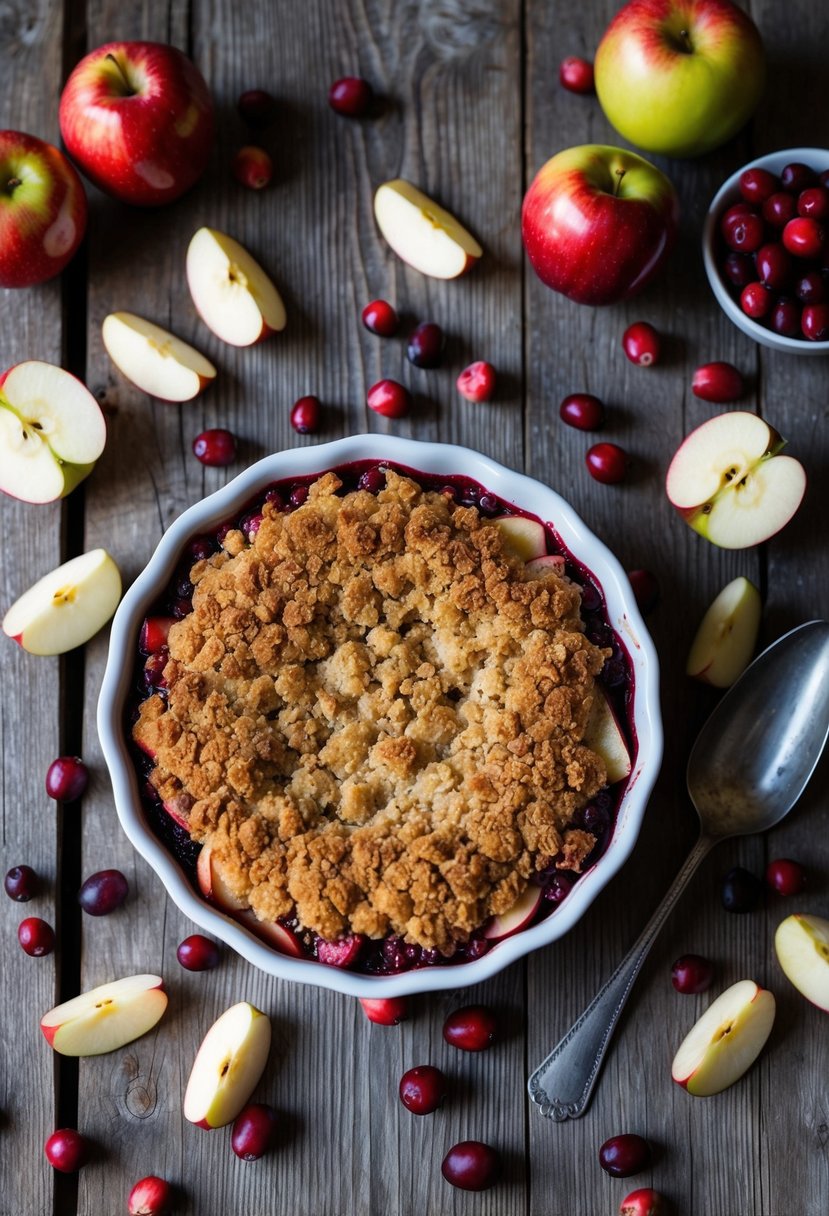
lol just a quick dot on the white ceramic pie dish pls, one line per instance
(433, 458)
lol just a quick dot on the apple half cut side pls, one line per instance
(605, 737)
(228, 1065)
(801, 944)
(106, 1017)
(523, 538)
(154, 360)
(726, 1040)
(66, 607)
(727, 635)
(51, 432)
(423, 234)
(729, 483)
(515, 918)
(232, 293)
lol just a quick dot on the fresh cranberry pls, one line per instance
(36, 937)
(583, 411)
(607, 463)
(351, 96)
(21, 884)
(814, 203)
(67, 1150)
(756, 300)
(373, 480)
(389, 398)
(622, 1156)
(252, 167)
(692, 973)
(811, 288)
(804, 237)
(472, 1028)
(778, 209)
(426, 343)
(198, 953)
(640, 342)
(151, 1196)
(471, 1165)
(380, 318)
(774, 266)
(814, 322)
(67, 778)
(745, 232)
(477, 382)
(785, 876)
(254, 1130)
(756, 185)
(644, 1202)
(796, 177)
(785, 318)
(741, 891)
(576, 75)
(385, 1011)
(257, 107)
(103, 892)
(558, 886)
(739, 268)
(423, 1089)
(215, 448)
(718, 382)
(305, 415)
(732, 215)
(645, 589)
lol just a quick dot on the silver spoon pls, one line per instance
(749, 765)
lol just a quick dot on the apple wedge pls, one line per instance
(106, 1017)
(213, 886)
(802, 947)
(66, 607)
(726, 1040)
(271, 932)
(605, 737)
(537, 567)
(154, 360)
(227, 1067)
(729, 483)
(51, 432)
(727, 635)
(232, 293)
(517, 917)
(523, 538)
(423, 234)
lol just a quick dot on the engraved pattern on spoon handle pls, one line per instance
(563, 1084)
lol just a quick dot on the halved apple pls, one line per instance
(154, 360)
(66, 607)
(232, 293)
(605, 737)
(524, 538)
(51, 432)
(726, 1040)
(423, 234)
(727, 635)
(228, 1065)
(729, 483)
(802, 947)
(539, 566)
(106, 1017)
(517, 917)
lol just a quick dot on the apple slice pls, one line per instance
(802, 947)
(106, 1017)
(154, 360)
(727, 635)
(154, 633)
(228, 1066)
(178, 808)
(51, 432)
(729, 483)
(726, 1040)
(66, 607)
(517, 917)
(272, 932)
(232, 293)
(523, 538)
(423, 234)
(539, 566)
(605, 737)
(213, 886)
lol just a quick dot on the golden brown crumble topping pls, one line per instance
(376, 718)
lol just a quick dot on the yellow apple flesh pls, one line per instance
(66, 607)
(726, 1040)
(801, 944)
(726, 637)
(154, 360)
(604, 736)
(228, 1066)
(106, 1017)
(232, 293)
(423, 234)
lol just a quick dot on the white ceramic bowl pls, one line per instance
(726, 196)
(436, 458)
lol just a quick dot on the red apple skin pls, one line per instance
(137, 117)
(598, 223)
(49, 1032)
(40, 227)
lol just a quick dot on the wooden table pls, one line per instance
(471, 109)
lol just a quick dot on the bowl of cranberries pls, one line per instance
(766, 250)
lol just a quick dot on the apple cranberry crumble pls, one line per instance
(375, 717)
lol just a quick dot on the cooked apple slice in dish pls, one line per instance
(522, 537)
(66, 607)
(727, 635)
(726, 1040)
(232, 293)
(213, 886)
(604, 736)
(537, 567)
(517, 917)
(423, 234)
(801, 944)
(154, 360)
(228, 1065)
(106, 1017)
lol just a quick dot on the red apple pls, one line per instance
(598, 223)
(43, 217)
(138, 119)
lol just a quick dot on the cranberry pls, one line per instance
(254, 1129)
(373, 480)
(298, 496)
(305, 415)
(66, 778)
(596, 818)
(385, 1011)
(423, 1089)
(250, 524)
(472, 1028)
(559, 886)
(342, 953)
(471, 1165)
(351, 96)
(154, 633)
(732, 215)
(814, 322)
(275, 499)
(741, 890)
(756, 300)
(811, 288)
(745, 232)
(607, 462)
(389, 398)
(778, 209)
(103, 892)
(692, 973)
(774, 266)
(796, 177)
(477, 382)
(21, 884)
(380, 318)
(622, 1156)
(785, 318)
(785, 876)
(36, 937)
(814, 202)
(252, 167)
(215, 448)
(256, 107)
(151, 1196)
(583, 411)
(645, 589)
(640, 342)
(804, 237)
(739, 268)
(718, 382)
(756, 185)
(67, 1150)
(181, 607)
(198, 953)
(426, 343)
(644, 1202)
(154, 669)
(576, 75)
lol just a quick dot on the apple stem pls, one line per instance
(130, 90)
(620, 173)
(12, 184)
(685, 39)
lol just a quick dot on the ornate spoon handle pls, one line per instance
(563, 1084)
